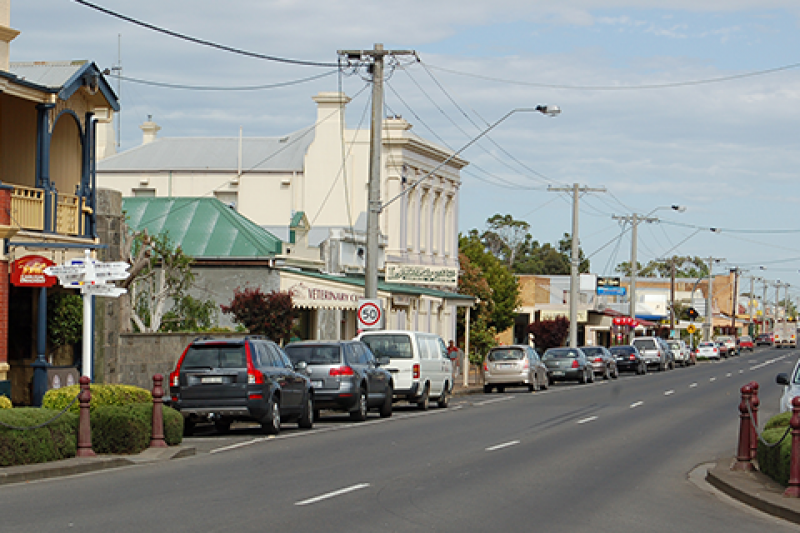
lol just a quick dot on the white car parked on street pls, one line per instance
(791, 387)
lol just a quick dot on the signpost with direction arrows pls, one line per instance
(90, 276)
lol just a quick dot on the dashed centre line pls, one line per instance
(501, 446)
(669, 392)
(333, 494)
(713, 379)
(634, 405)
(585, 420)
(693, 385)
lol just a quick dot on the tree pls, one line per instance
(549, 333)
(64, 318)
(685, 267)
(190, 314)
(504, 237)
(271, 315)
(471, 281)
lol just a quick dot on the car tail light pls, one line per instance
(341, 371)
(174, 379)
(526, 364)
(415, 371)
(598, 359)
(485, 366)
(633, 357)
(575, 364)
(254, 376)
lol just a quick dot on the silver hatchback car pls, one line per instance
(517, 365)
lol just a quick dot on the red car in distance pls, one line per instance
(745, 342)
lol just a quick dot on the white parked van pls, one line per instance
(418, 363)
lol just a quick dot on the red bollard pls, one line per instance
(743, 463)
(84, 425)
(793, 490)
(157, 440)
(754, 403)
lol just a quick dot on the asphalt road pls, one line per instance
(612, 456)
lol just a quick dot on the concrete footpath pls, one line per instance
(751, 488)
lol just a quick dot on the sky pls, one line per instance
(663, 103)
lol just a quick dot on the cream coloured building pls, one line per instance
(321, 172)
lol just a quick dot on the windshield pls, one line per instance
(507, 354)
(592, 350)
(645, 344)
(621, 350)
(315, 354)
(214, 357)
(389, 345)
(560, 353)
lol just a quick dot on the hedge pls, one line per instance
(5, 403)
(57, 440)
(127, 429)
(774, 461)
(101, 395)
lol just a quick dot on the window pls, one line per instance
(388, 345)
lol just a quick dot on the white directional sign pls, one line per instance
(101, 289)
(370, 314)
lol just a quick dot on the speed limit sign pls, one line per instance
(370, 315)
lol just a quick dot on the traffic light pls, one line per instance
(692, 313)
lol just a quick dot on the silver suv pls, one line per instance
(345, 376)
(655, 352)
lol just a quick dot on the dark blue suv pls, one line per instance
(251, 378)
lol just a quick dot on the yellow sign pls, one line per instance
(691, 329)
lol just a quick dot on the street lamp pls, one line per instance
(634, 220)
(375, 208)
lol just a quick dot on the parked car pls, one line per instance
(603, 363)
(512, 366)
(628, 359)
(345, 376)
(791, 387)
(723, 349)
(568, 364)
(680, 352)
(764, 339)
(708, 350)
(745, 342)
(655, 352)
(419, 364)
(251, 378)
(730, 344)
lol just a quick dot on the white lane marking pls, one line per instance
(238, 445)
(585, 420)
(668, 392)
(495, 400)
(501, 446)
(693, 385)
(768, 362)
(713, 379)
(636, 404)
(333, 494)
(728, 375)
(741, 371)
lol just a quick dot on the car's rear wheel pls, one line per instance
(615, 373)
(487, 389)
(583, 379)
(444, 399)
(424, 402)
(359, 413)
(271, 425)
(386, 407)
(306, 420)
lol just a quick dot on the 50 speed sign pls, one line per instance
(370, 314)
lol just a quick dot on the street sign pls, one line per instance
(691, 329)
(370, 314)
(101, 289)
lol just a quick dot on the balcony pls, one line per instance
(28, 210)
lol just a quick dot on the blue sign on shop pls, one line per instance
(612, 291)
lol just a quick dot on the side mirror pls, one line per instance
(301, 366)
(782, 379)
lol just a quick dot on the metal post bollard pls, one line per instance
(793, 490)
(743, 463)
(84, 424)
(157, 440)
(754, 403)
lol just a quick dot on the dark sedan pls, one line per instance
(628, 359)
(568, 364)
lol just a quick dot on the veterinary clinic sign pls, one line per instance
(422, 275)
(321, 296)
(28, 271)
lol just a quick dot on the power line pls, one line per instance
(218, 88)
(720, 79)
(203, 42)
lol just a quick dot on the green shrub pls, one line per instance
(779, 421)
(774, 462)
(5, 403)
(127, 429)
(57, 440)
(101, 395)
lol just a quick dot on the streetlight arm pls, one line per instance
(549, 110)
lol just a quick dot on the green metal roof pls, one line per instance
(204, 228)
(394, 288)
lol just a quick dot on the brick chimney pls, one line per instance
(6, 34)
(149, 129)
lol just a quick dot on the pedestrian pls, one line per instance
(453, 354)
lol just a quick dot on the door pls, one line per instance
(290, 383)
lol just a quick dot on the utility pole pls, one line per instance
(764, 305)
(708, 325)
(576, 189)
(375, 59)
(734, 298)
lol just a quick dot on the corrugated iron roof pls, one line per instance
(52, 74)
(259, 154)
(204, 228)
